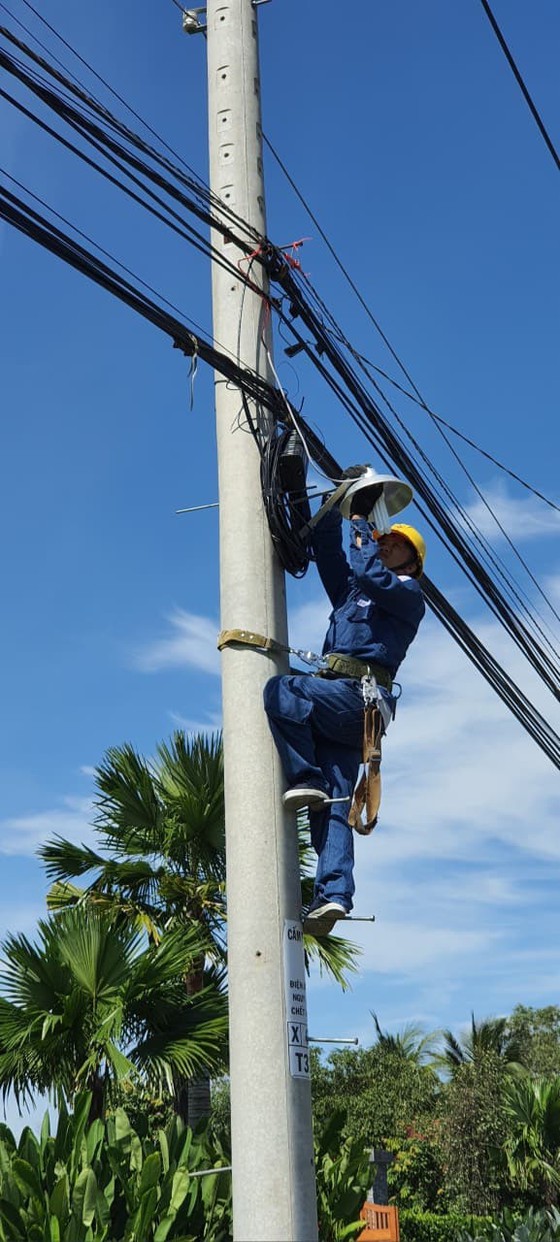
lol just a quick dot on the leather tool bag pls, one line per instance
(367, 794)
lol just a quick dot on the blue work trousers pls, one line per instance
(317, 725)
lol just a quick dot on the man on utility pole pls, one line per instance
(272, 1149)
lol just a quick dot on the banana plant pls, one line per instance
(98, 1182)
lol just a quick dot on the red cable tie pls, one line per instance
(291, 258)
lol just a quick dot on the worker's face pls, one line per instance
(396, 552)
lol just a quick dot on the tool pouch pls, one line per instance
(367, 794)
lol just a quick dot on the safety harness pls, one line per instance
(367, 793)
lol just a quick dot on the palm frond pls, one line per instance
(190, 779)
(64, 894)
(335, 957)
(129, 811)
(190, 1042)
(64, 859)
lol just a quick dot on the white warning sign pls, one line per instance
(296, 1004)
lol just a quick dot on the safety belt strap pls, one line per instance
(367, 793)
(249, 639)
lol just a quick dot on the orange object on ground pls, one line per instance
(382, 1223)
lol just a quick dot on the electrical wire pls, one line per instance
(532, 108)
(36, 226)
(427, 467)
(95, 133)
(98, 76)
(201, 199)
(368, 415)
(30, 222)
(417, 397)
(358, 403)
(367, 362)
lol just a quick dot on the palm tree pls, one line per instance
(162, 826)
(92, 1003)
(489, 1035)
(532, 1147)
(162, 829)
(410, 1044)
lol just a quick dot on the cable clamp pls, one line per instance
(188, 345)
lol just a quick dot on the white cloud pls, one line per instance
(211, 724)
(191, 643)
(467, 838)
(522, 519)
(22, 834)
(308, 625)
(457, 871)
(412, 946)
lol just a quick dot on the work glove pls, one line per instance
(364, 500)
(354, 472)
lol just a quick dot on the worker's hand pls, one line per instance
(354, 472)
(364, 500)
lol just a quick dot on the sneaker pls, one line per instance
(322, 916)
(297, 799)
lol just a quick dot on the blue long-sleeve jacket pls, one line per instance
(375, 612)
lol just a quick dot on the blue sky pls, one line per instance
(404, 130)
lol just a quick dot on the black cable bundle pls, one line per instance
(283, 471)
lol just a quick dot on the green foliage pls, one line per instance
(417, 1226)
(91, 988)
(532, 1144)
(381, 1091)
(535, 1226)
(537, 1035)
(473, 1125)
(485, 1139)
(490, 1036)
(416, 1176)
(411, 1043)
(343, 1179)
(220, 1115)
(102, 1183)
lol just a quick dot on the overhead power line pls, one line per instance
(413, 396)
(367, 414)
(31, 223)
(416, 396)
(95, 74)
(367, 362)
(36, 226)
(339, 373)
(532, 107)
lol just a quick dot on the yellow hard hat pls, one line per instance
(415, 538)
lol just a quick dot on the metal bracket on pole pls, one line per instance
(224, 1168)
(315, 1039)
(215, 504)
(359, 918)
(191, 24)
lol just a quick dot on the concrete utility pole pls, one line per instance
(272, 1158)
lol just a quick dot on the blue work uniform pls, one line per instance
(317, 723)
